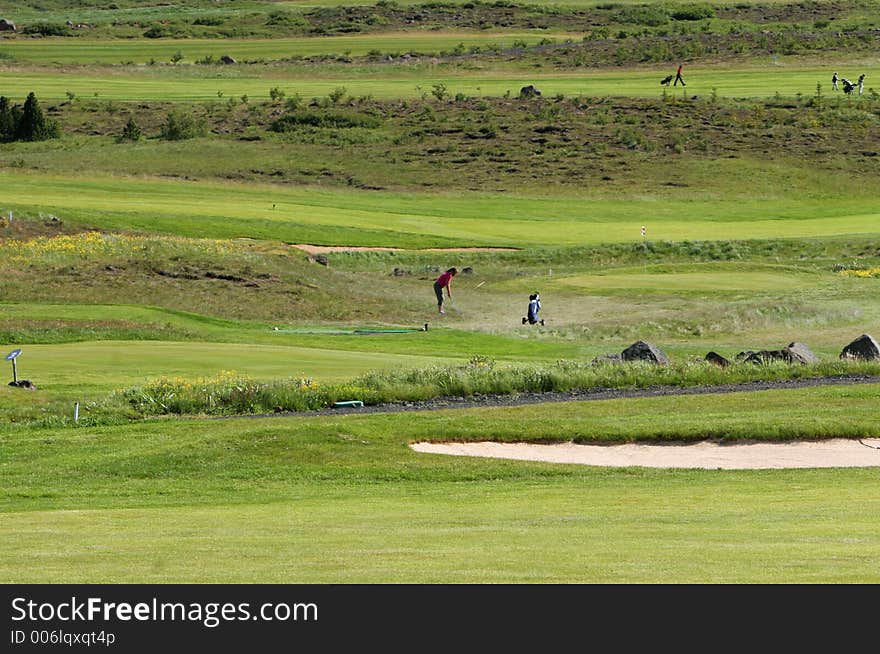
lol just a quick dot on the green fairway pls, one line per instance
(213, 210)
(192, 354)
(140, 51)
(109, 364)
(746, 528)
(343, 499)
(714, 279)
(190, 83)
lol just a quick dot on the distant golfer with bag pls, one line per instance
(532, 311)
(444, 281)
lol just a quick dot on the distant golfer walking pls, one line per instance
(861, 83)
(444, 281)
(834, 80)
(678, 77)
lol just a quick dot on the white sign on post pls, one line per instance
(12, 356)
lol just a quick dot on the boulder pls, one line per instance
(226, 59)
(322, 259)
(529, 92)
(864, 348)
(791, 353)
(717, 359)
(467, 270)
(642, 351)
(765, 356)
(800, 353)
(24, 383)
(7, 25)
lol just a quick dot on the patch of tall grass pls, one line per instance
(232, 394)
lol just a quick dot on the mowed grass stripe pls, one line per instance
(207, 209)
(623, 530)
(88, 51)
(105, 365)
(197, 83)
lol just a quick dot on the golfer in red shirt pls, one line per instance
(444, 281)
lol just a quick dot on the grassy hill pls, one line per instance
(156, 283)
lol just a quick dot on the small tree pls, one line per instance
(177, 57)
(180, 126)
(439, 91)
(33, 126)
(131, 131)
(276, 94)
(7, 120)
(293, 102)
(337, 94)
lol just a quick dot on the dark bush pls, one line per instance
(156, 32)
(642, 15)
(131, 131)
(47, 29)
(335, 119)
(180, 126)
(29, 124)
(693, 12)
(209, 21)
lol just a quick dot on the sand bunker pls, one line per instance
(834, 453)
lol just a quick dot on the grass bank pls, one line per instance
(343, 499)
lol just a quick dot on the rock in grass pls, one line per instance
(765, 356)
(24, 383)
(864, 348)
(800, 353)
(792, 353)
(643, 351)
(717, 359)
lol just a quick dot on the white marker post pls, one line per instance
(12, 356)
(644, 241)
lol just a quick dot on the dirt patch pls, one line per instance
(320, 249)
(833, 453)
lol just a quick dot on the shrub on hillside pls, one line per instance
(642, 15)
(25, 123)
(335, 119)
(131, 131)
(47, 29)
(693, 12)
(180, 126)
